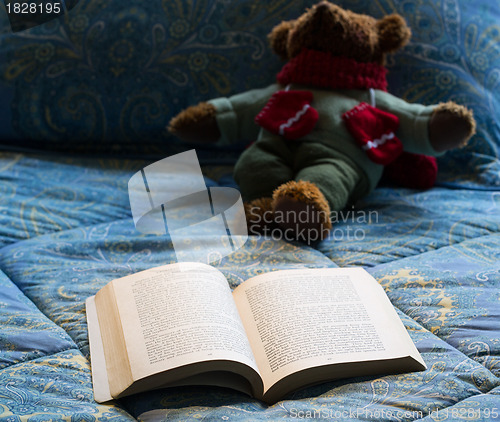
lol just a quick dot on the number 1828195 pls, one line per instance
(33, 8)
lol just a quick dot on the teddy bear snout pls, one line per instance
(323, 6)
(327, 13)
(328, 20)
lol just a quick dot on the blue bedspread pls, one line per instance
(436, 253)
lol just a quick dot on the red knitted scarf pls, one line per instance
(323, 70)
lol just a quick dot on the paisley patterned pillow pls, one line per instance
(108, 76)
(454, 54)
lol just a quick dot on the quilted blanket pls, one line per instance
(436, 253)
(84, 100)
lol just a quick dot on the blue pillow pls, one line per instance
(109, 76)
(454, 54)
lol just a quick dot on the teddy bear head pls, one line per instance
(328, 28)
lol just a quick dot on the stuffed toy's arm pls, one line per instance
(223, 120)
(429, 130)
(235, 115)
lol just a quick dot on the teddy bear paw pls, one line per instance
(301, 211)
(196, 124)
(451, 126)
(259, 215)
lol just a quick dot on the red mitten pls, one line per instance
(413, 171)
(289, 114)
(374, 131)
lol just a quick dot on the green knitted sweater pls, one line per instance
(235, 118)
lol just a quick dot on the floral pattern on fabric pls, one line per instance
(55, 388)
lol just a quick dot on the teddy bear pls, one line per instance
(326, 129)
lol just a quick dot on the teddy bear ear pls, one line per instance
(278, 38)
(393, 33)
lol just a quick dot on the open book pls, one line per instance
(180, 324)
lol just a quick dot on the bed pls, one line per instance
(84, 101)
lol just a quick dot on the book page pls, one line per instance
(298, 319)
(177, 315)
